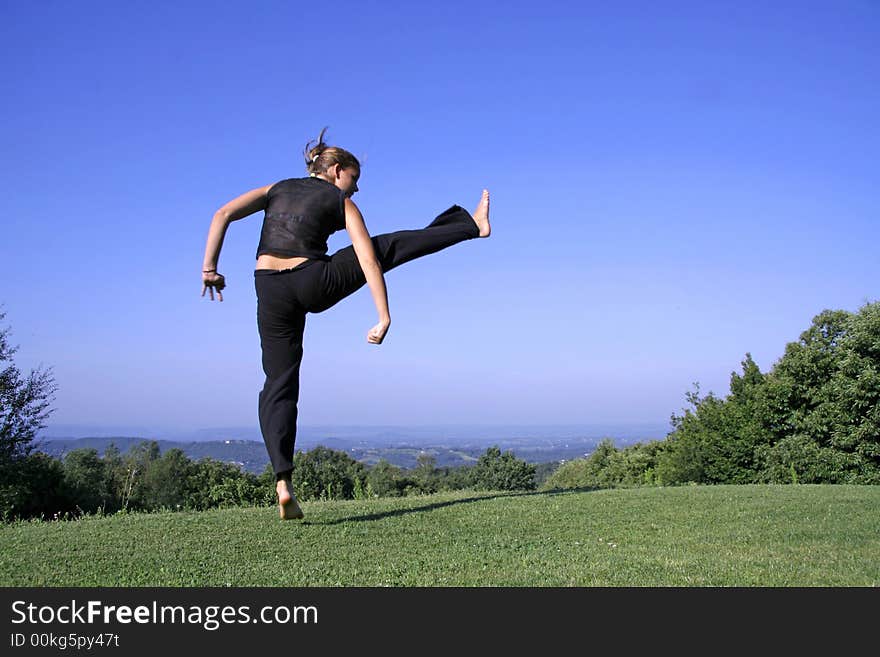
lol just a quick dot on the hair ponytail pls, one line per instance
(321, 157)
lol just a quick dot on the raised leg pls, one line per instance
(343, 275)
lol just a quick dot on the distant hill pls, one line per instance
(251, 455)
(384, 435)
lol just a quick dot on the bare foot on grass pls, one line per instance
(481, 215)
(288, 508)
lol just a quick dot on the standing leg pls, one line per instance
(281, 322)
(343, 274)
(281, 327)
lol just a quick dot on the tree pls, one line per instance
(823, 403)
(136, 490)
(385, 479)
(855, 389)
(165, 481)
(715, 440)
(324, 473)
(814, 417)
(116, 477)
(609, 467)
(425, 474)
(803, 394)
(214, 483)
(86, 480)
(29, 484)
(24, 403)
(497, 471)
(35, 488)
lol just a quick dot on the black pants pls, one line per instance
(284, 297)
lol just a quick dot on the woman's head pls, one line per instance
(329, 161)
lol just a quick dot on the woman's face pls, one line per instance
(347, 179)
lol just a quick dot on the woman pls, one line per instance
(295, 276)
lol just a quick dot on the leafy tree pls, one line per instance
(425, 478)
(799, 459)
(497, 471)
(24, 403)
(213, 483)
(426, 465)
(324, 473)
(385, 479)
(803, 397)
(714, 441)
(543, 471)
(35, 488)
(266, 481)
(595, 471)
(165, 482)
(453, 478)
(689, 443)
(86, 480)
(136, 490)
(116, 478)
(607, 467)
(576, 473)
(25, 479)
(814, 417)
(855, 391)
(823, 402)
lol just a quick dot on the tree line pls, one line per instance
(143, 479)
(34, 484)
(814, 417)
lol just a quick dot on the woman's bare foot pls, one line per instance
(481, 215)
(288, 508)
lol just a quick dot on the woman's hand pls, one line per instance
(213, 281)
(377, 333)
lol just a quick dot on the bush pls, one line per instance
(324, 473)
(798, 459)
(386, 480)
(609, 467)
(497, 471)
(214, 484)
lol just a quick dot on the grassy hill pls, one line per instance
(689, 536)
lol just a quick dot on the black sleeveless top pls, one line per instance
(301, 213)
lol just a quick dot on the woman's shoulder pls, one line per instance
(304, 182)
(288, 182)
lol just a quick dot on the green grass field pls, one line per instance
(689, 536)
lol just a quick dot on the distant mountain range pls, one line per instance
(401, 446)
(376, 434)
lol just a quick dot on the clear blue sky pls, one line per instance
(673, 185)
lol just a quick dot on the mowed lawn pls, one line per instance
(800, 535)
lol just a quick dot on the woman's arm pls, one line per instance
(366, 255)
(237, 208)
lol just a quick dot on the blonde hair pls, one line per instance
(321, 157)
